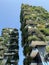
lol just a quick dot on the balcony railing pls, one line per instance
(9, 54)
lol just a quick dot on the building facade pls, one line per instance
(35, 32)
(10, 45)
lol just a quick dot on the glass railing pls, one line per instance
(45, 63)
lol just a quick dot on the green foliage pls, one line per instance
(1, 39)
(47, 49)
(33, 38)
(45, 31)
(47, 38)
(27, 61)
(36, 10)
(27, 50)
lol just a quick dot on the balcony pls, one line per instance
(14, 47)
(27, 13)
(38, 43)
(13, 41)
(29, 22)
(14, 37)
(15, 50)
(14, 33)
(1, 57)
(13, 62)
(5, 34)
(8, 30)
(11, 44)
(33, 64)
(34, 53)
(9, 54)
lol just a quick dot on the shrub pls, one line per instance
(47, 38)
(41, 26)
(45, 31)
(47, 49)
(33, 38)
(27, 50)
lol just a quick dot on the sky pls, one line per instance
(10, 16)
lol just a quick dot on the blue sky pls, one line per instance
(10, 16)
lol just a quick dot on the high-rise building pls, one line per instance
(35, 33)
(1, 49)
(10, 46)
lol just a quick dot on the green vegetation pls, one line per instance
(38, 19)
(27, 61)
(33, 38)
(32, 12)
(27, 50)
(47, 38)
(45, 31)
(34, 15)
(7, 46)
(47, 49)
(1, 39)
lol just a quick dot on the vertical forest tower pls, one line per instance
(35, 34)
(9, 47)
